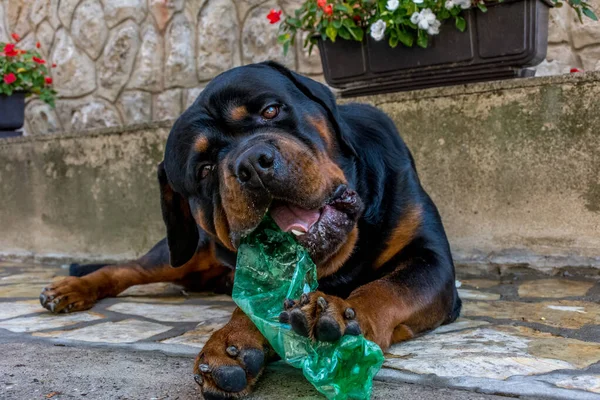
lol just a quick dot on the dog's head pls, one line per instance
(260, 139)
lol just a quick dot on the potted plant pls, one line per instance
(374, 46)
(22, 73)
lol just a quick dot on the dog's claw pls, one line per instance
(322, 303)
(288, 303)
(232, 351)
(204, 368)
(349, 313)
(304, 299)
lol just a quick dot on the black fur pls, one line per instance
(374, 158)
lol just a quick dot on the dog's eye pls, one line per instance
(270, 112)
(205, 170)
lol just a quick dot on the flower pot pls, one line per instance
(498, 44)
(12, 113)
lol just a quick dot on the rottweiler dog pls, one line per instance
(261, 138)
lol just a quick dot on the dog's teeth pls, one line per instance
(298, 233)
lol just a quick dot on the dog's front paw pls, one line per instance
(321, 317)
(230, 363)
(68, 295)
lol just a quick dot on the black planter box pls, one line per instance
(12, 114)
(498, 44)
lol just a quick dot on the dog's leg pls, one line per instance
(80, 293)
(233, 359)
(419, 295)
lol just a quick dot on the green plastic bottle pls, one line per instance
(272, 267)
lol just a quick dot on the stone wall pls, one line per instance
(571, 43)
(123, 62)
(514, 167)
(132, 61)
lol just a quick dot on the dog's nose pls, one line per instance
(255, 167)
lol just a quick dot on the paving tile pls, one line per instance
(155, 299)
(481, 352)
(173, 313)
(214, 297)
(554, 288)
(18, 308)
(198, 336)
(48, 321)
(546, 345)
(21, 290)
(459, 325)
(153, 289)
(30, 277)
(568, 314)
(590, 383)
(469, 294)
(126, 331)
(16, 264)
(480, 283)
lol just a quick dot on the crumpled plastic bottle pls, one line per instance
(272, 267)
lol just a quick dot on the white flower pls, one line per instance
(392, 5)
(427, 21)
(378, 30)
(464, 4)
(418, 1)
(415, 18)
(428, 16)
(450, 4)
(434, 28)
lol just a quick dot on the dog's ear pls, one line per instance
(321, 95)
(182, 231)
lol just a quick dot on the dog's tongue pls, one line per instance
(289, 217)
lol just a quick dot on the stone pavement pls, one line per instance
(521, 335)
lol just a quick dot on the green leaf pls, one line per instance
(461, 24)
(295, 22)
(406, 38)
(482, 7)
(348, 23)
(422, 40)
(286, 47)
(358, 34)
(578, 10)
(331, 32)
(590, 14)
(345, 8)
(337, 24)
(393, 41)
(344, 33)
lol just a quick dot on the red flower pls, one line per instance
(38, 60)
(38, 45)
(54, 65)
(328, 10)
(322, 3)
(274, 16)
(9, 78)
(48, 80)
(357, 18)
(575, 70)
(9, 50)
(15, 36)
